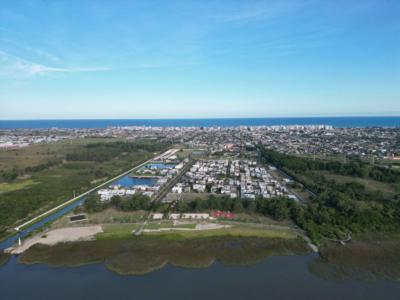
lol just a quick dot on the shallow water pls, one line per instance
(159, 166)
(278, 277)
(128, 181)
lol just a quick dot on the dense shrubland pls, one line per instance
(57, 179)
(340, 208)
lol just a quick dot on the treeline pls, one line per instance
(9, 176)
(101, 152)
(338, 208)
(43, 166)
(136, 202)
(278, 208)
(356, 168)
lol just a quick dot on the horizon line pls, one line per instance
(211, 118)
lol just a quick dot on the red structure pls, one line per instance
(223, 214)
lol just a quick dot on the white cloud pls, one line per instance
(12, 66)
(260, 10)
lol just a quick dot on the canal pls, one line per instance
(125, 181)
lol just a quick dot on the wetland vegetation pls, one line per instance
(368, 257)
(139, 255)
(4, 257)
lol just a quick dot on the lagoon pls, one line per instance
(278, 277)
(159, 166)
(128, 181)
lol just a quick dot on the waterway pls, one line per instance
(125, 181)
(25, 232)
(159, 166)
(278, 277)
(128, 181)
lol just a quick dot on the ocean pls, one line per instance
(223, 122)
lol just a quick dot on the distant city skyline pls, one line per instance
(198, 59)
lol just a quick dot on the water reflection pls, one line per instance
(142, 255)
(278, 277)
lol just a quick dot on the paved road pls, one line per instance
(169, 185)
(162, 193)
(290, 177)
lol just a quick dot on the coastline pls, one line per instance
(147, 253)
(336, 121)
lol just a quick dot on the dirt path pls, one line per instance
(199, 227)
(69, 234)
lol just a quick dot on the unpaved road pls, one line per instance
(207, 226)
(61, 235)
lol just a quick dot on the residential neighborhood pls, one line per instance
(236, 178)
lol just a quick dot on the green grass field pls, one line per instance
(370, 185)
(117, 231)
(41, 153)
(10, 187)
(123, 231)
(168, 224)
(234, 231)
(184, 153)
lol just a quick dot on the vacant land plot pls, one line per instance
(79, 165)
(370, 185)
(117, 231)
(112, 231)
(10, 187)
(184, 153)
(238, 230)
(61, 235)
(38, 154)
(112, 215)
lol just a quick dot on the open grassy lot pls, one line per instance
(370, 185)
(112, 215)
(10, 187)
(184, 153)
(255, 218)
(169, 224)
(143, 254)
(235, 230)
(80, 164)
(37, 154)
(118, 231)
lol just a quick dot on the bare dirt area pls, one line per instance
(61, 235)
(200, 226)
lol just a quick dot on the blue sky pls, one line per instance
(176, 59)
